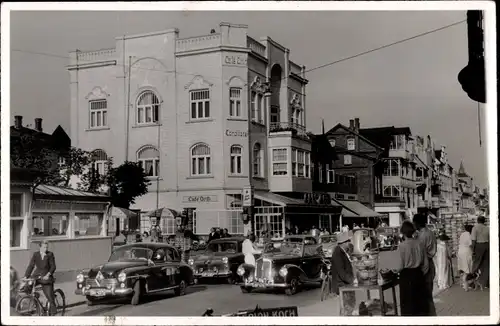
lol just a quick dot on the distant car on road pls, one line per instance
(219, 260)
(135, 270)
(388, 237)
(295, 261)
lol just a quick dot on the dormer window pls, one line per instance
(332, 142)
(351, 144)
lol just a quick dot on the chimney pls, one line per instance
(18, 121)
(38, 124)
(356, 124)
(351, 124)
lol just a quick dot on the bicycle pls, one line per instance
(29, 304)
(326, 284)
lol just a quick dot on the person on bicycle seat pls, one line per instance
(45, 264)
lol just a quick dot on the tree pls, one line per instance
(75, 164)
(127, 182)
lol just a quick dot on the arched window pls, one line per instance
(148, 108)
(149, 159)
(236, 158)
(99, 159)
(200, 160)
(257, 160)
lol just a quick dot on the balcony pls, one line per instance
(291, 128)
(399, 152)
(256, 46)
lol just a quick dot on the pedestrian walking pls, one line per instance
(342, 271)
(225, 233)
(413, 265)
(480, 236)
(444, 274)
(213, 235)
(249, 250)
(430, 243)
(465, 255)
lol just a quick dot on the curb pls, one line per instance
(75, 304)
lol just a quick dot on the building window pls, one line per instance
(378, 186)
(332, 142)
(88, 224)
(61, 161)
(347, 159)
(16, 220)
(236, 225)
(392, 191)
(275, 114)
(148, 108)
(307, 168)
(149, 159)
(257, 104)
(398, 142)
(330, 174)
(235, 102)
(99, 161)
(236, 158)
(257, 160)
(98, 113)
(200, 160)
(351, 144)
(320, 173)
(391, 168)
(280, 161)
(45, 225)
(324, 222)
(200, 104)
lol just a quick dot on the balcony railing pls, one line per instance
(293, 127)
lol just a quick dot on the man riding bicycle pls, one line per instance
(45, 264)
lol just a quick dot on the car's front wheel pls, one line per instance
(181, 289)
(246, 289)
(293, 287)
(136, 298)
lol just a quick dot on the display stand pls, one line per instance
(360, 307)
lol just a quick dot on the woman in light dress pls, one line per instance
(249, 250)
(465, 253)
(443, 263)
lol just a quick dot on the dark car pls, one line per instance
(297, 260)
(219, 260)
(388, 237)
(135, 270)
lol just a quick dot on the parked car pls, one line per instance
(135, 270)
(388, 237)
(295, 261)
(328, 243)
(219, 260)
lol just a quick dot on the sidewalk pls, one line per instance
(450, 302)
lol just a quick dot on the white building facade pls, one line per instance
(205, 116)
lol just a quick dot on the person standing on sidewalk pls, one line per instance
(45, 264)
(480, 237)
(465, 255)
(428, 238)
(342, 271)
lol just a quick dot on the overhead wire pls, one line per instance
(307, 70)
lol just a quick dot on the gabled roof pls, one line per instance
(363, 137)
(382, 136)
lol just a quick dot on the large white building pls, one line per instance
(205, 115)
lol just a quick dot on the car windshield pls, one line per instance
(229, 247)
(328, 239)
(131, 254)
(385, 231)
(285, 247)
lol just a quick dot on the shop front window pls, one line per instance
(46, 225)
(88, 224)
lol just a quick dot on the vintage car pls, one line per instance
(219, 260)
(295, 261)
(388, 237)
(135, 270)
(328, 243)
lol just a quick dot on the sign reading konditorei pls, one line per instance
(271, 312)
(236, 133)
(199, 199)
(247, 196)
(235, 60)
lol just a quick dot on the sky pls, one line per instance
(411, 84)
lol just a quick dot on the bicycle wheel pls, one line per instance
(28, 306)
(60, 299)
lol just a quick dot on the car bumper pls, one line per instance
(214, 275)
(262, 285)
(120, 292)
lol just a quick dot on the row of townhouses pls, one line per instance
(211, 115)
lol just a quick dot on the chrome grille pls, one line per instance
(102, 284)
(263, 269)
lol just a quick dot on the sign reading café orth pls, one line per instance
(236, 133)
(199, 199)
(235, 60)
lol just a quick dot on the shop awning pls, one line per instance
(122, 212)
(163, 212)
(353, 208)
(276, 199)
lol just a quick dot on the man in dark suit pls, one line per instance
(341, 268)
(45, 264)
(213, 235)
